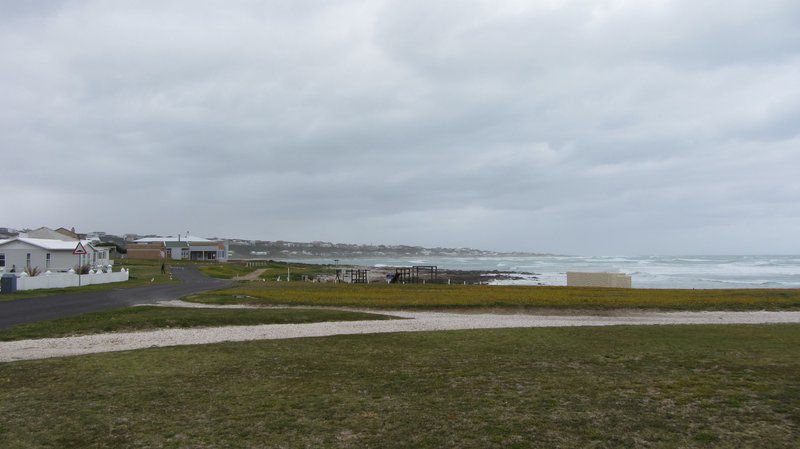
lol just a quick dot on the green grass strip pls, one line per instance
(658, 386)
(449, 296)
(151, 317)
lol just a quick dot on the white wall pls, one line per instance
(61, 280)
(612, 280)
(15, 253)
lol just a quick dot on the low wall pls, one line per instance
(611, 280)
(62, 280)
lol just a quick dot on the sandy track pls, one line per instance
(413, 322)
(252, 276)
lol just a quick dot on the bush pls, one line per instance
(35, 271)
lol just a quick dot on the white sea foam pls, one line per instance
(685, 271)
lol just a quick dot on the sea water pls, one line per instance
(646, 271)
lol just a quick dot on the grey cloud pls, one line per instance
(602, 127)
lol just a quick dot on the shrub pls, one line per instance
(34, 271)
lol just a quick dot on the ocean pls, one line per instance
(646, 271)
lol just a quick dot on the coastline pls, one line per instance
(661, 272)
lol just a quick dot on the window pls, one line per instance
(47, 261)
(2, 260)
(28, 260)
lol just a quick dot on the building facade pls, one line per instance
(178, 248)
(21, 253)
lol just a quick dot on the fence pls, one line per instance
(258, 263)
(61, 280)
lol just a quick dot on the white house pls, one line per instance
(20, 253)
(180, 247)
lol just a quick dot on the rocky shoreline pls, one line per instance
(483, 277)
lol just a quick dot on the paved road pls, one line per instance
(69, 304)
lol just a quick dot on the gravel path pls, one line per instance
(414, 322)
(252, 276)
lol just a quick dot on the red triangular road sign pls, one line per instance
(79, 249)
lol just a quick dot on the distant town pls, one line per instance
(268, 249)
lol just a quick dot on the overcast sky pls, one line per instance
(591, 127)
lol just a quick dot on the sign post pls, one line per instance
(79, 251)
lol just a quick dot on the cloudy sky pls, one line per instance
(584, 127)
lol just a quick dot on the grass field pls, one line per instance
(142, 272)
(440, 296)
(152, 317)
(660, 386)
(224, 270)
(273, 270)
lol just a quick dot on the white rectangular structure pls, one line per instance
(609, 280)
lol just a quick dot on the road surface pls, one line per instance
(69, 304)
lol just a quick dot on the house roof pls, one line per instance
(50, 244)
(50, 234)
(67, 232)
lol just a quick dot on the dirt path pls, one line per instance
(254, 276)
(413, 322)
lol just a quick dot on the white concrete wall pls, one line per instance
(60, 261)
(15, 255)
(62, 280)
(611, 280)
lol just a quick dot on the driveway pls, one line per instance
(69, 304)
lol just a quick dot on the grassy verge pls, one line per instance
(683, 386)
(151, 317)
(225, 270)
(142, 272)
(272, 270)
(437, 296)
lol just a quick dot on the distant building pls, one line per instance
(52, 234)
(153, 251)
(186, 247)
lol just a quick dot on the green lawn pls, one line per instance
(224, 270)
(152, 317)
(273, 269)
(142, 272)
(439, 296)
(659, 386)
